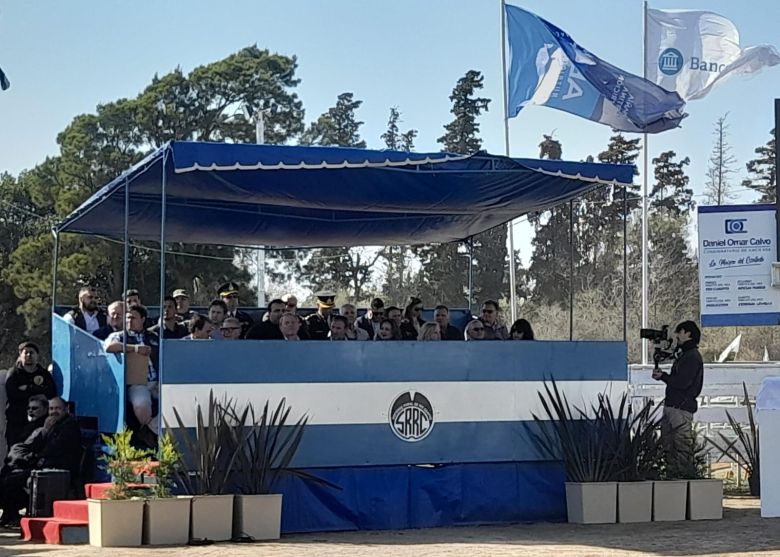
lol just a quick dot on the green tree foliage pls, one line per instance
(340, 269)
(549, 268)
(763, 172)
(443, 277)
(671, 191)
(338, 126)
(720, 167)
(393, 138)
(94, 148)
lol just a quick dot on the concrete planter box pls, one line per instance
(591, 503)
(167, 521)
(705, 499)
(669, 500)
(115, 523)
(211, 517)
(257, 516)
(635, 501)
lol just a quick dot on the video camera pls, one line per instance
(663, 342)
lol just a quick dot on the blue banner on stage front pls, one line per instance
(546, 67)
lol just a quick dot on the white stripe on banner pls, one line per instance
(369, 403)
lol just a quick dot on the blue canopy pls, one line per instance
(283, 196)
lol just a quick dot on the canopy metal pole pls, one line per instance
(571, 270)
(260, 277)
(510, 227)
(625, 262)
(54, 269)
(471, 273)
(126, 254)
(644, 195)
(161, 358)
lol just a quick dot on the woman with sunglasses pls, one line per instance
(521, 330)
(475, 330)
(410, 326)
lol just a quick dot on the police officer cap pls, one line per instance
(180, 293)
(228, 288)
(326, 298)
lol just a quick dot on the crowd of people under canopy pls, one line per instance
(37, 429)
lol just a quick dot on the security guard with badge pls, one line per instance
(228, 292)
(318, 324)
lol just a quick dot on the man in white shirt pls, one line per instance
(87, 315)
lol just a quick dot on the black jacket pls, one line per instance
(365, 323)
(265, 330)
(60, 448)
(81, 322)
(684, 382)
(452, 333)
(20, 386)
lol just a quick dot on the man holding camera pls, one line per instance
(683, 385)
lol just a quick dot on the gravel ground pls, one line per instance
(741, 532)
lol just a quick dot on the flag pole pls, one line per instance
(510, 227)
(644, 193)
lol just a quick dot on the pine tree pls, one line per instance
(717, 188)
(338, 126)
(549, 268)
(463, 132)
(443, 277)
(763, 171)
(393, 138)
(671, 191)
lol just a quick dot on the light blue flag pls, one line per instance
(4, 83)
(546, 67)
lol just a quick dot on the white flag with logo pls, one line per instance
(691, 51)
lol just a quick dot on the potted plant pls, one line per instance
(118, 520)
(743, 449)
(166, 518)
(576, 438)
(705, 495)
(641, 453)
(679, 464)
(210, 451)
(269, 445)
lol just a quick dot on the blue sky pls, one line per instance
(63, 58)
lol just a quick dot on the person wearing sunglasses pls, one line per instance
(494, 328)
(475, 330)
(371, 320)
(410, 326)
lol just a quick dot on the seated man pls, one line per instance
(289, 325)
(57, 444)
(353, 331)
(169, 327)
(87, 315)
(442, 317)
(37, 410)
(231, 329)
(268, 329)
(200, 328)
(116, 319)
(338, 327)
(141, 379)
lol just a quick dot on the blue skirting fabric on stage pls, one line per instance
(399, 497)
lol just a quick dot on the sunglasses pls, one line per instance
(231, 296)
(488, 310)
(231, 328)
(478, 329)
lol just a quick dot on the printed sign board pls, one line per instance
(737, 245)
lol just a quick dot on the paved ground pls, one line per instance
(742, 532)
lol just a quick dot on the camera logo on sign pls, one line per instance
(411, 416)
(670, 62)
(736, 226)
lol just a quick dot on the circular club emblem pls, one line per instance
(670, 62)
(411, 416)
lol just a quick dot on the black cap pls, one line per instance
(377, 303)
(29, 344)
(228, 288)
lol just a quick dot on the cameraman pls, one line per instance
(683, 385)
